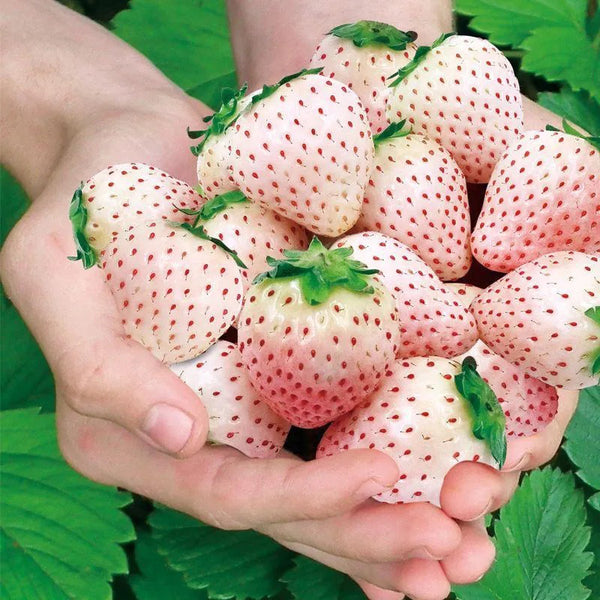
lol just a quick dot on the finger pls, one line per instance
(472, 490)
(473, 557)
(420, 579)
(376, 532)
(219, 485)
(373, 592)
(530, 452)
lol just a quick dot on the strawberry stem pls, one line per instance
(568, 129)
(487, 416)
(78, 215)
(320, 271)
(393, 130)
(373, 33)
(419, 57)
(594, 314)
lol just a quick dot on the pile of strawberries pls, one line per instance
(374, 142)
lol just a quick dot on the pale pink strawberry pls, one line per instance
(129, 193)
(462, 93)
(250, 230)
(363, 55)
(419, 418)
(418, 195)
(544, 196)
(544, 317)
(237, 416)
(302, 148)
(176, 293)
(432, 319)
(316, 334)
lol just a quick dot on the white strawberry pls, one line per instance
(462, 93)
(544, 317)
(432, 319)
(316, 334)
(237, 416)
(426, 416)
(129, 193)
(302, 148)
(418, 195)
(363, 55)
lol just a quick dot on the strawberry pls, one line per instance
(544, 196)
(544, 317)
(462, 93)
(432, 319)
(237, 416)
(176, 292)
(124, 194)
(317, 333)
(250, 230)
(302, 148)
(418, 195)
(428, 415)
(363, 55)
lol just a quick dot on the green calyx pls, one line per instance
(78, 215)
(214, 206)
(594, 314)
(320, 271)
(269, 90)
(221, 120)
(394, 130)
(373, 33)
(593, 140)
(419, 57)
(487, 416)
(200, 232)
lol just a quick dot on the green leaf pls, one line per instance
(188, 40)
(228, 564)
(489, 422)
(269, 90)
(157, 580)
(576, 107)
(320, 270)
(78, 215)
(373, 33)
(583, 442)
(593, 580)
(209, 91)
(541, 541)
(393, 130)
(60, 531)
(220, 203)
(310, 580)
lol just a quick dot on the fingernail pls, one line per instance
(372, 487)
(485, 511)
(518, 464)
(168, 427)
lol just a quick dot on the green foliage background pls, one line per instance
(63, 537)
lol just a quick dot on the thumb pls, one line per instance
(119, 380)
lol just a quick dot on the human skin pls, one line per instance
(68, 113)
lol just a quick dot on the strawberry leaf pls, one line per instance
(373, 33)
(541, 540)
(269, 90)
(488, 418)
(419, 57)
(594, 314)
(583, 443)
(78, 216)
(578, 107)
(319, 271)
(220, 203)
(393, 130)
(594, 141)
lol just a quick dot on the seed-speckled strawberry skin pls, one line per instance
(543, 196)
(305, 152)
(534, 318)
(364, 70)
(419, 419)
(432, 320)
(237, 416)
(130, 193)
(312, 364)
(465, 96)
(176, 293)
(418, 195)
